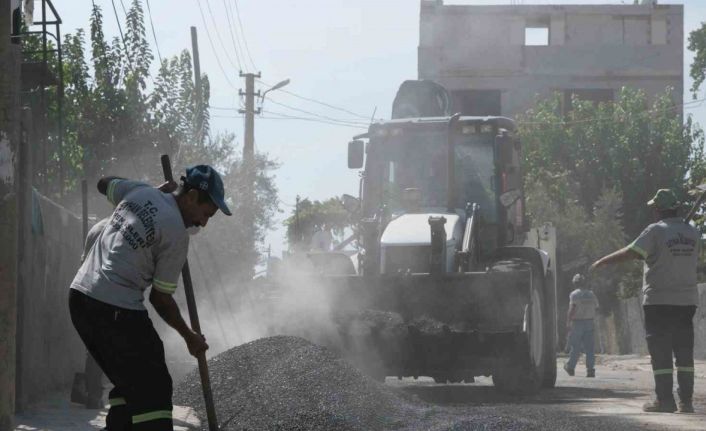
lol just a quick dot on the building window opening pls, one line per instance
(477, 102)
(595, 95)
(537, 35)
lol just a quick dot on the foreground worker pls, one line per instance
(670, 249)
(579, 322)
(92, 394)
(145, 243)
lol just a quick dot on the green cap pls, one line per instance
(664, 199)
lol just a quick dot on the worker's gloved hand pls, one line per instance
(168, 187)
(196, 343)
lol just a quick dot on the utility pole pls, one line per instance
(197, 87)
(297, 234)
(249, 111)
(249, 156)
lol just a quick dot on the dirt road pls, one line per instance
(611, 401)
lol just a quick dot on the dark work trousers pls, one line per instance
(129, 351)
(94, 382)
(670, 331)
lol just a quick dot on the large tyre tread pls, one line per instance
(516, 375)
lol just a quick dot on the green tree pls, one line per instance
(697, 43)
(591, 170)
(312, 214)
(625, 145)
(117, 124)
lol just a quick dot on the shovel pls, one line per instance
(195, 325)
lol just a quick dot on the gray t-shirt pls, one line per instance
(670, 248)
(586, 304)
(92, 236)
(144, 243)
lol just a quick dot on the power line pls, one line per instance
(210, 41)
(120, 29)
(308, 99)
(154, 34)
(315, 114)
(281, 116)
(232, 36)
(123, 6)
(223, 108)
(218, 35)
(685, 105)
(324, 117)
(242, 34)
(284, 116)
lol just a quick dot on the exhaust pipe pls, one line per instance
(451, 167)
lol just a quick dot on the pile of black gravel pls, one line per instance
(287, 383)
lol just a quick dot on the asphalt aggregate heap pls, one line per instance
(288, 383)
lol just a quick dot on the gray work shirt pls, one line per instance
(670, 248)
(92, 236)
(144, 243)
(586, 304)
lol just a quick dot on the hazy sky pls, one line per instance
(351, 54)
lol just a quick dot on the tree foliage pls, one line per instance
(118, 120)
(312, 215)
(626, 145)
(591, 170)
(697, 43)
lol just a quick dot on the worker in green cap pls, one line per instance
(670, 249)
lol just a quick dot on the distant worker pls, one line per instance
(670, 249)
(145, 243)
(579, 323)
(322, 238)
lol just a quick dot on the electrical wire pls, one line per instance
(309, 99)
(233, 37)
(154, 33)
(315, 114)
(284, 116)
(328, 120)
(611, 117)
(324, 117)
(279, 116)
(220, 40)
(242, 34)
(210, 41)
(120, 29)
(123, 6)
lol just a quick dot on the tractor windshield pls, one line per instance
(418, 160)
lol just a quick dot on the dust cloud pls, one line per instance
(294, 301)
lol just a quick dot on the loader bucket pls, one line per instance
(450, 326)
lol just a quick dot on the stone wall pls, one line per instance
(9, 143)
(49, 350)
(624, 332)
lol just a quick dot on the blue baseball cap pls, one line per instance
(204, 177)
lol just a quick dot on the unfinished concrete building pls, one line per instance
(495, 60)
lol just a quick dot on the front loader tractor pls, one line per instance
(451, 281)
